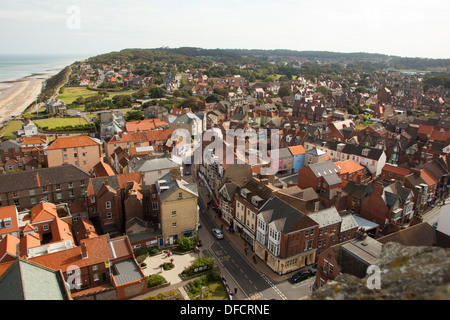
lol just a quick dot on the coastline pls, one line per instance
(17, 95)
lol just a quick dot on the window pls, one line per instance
(33, 200)
(82, 182)
(15, 195)
(45, 227)
(109, 215)
(108, 204)
(96, 277)
(59, 196)
(32, 192)
(155, 205)
(174, 225)
(71, 193)
(58, 187)
(16, 202)
(75, 155)
(180, 195)
(70, 184)
(44, 189)
(92, 199)
(174, 213)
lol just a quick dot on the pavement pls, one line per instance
(181, 261)
(239, 243)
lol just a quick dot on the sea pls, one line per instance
(17, 66)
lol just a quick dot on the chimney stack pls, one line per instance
(84, 253)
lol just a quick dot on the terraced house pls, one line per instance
(286, 239)
(65, 183)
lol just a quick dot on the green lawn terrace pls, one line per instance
(71, 94)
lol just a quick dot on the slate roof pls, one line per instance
(327, 170)
(326, 217)
(115, 182)
(42, 177)
(290, 218)
(24, 280)
(146, 165)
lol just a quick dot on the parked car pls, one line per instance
(217, 233)
(299, 276)
(313, 269)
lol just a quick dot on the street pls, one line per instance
(240, 274)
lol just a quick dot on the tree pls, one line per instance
(157, 92)
(284, 91)
(323, 90)
(134, 115)
(185, 244)
(190, 102)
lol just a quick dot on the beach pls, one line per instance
(16, 96)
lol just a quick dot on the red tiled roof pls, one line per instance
(144, 125)
(295, 150)
(9, 212)
(348, 166)
(43, 211)
(98, 250)
(427, 177)
(103, 169)
(396, 170)
(72, 142)
(8, 245)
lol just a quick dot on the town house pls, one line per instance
(177, 201)
(286, 239)
(82, 151)
(248, 200)
(66, 183)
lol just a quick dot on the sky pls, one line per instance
(407, 28)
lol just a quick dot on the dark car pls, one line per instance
(313, 269)
(299, 276)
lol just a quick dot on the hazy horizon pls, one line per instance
(396, 28)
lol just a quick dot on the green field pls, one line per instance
(9, 131)
(59, 122)
(70, 94)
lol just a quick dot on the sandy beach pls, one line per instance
(16, 96)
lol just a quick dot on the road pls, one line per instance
(239, 273)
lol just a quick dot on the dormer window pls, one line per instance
(245, 192)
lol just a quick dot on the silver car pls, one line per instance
(217, 233)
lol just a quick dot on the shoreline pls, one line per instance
(17, 95)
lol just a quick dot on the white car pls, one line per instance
(217, 233)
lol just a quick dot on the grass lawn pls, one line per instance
(71, 94)
(60, 122)
(219, 292)
(9, 131)
(215, 291)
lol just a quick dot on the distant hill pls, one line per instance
(195, 55)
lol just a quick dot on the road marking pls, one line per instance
(273, 286)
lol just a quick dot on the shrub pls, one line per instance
(155, 280)
(185, 244)
(141, 258)
(153, 250)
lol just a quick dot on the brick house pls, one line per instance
(66, 183)
(321, 176)
(248, 199)
(98, 261)
(390, 203)
(285, 238)
(104, 200)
